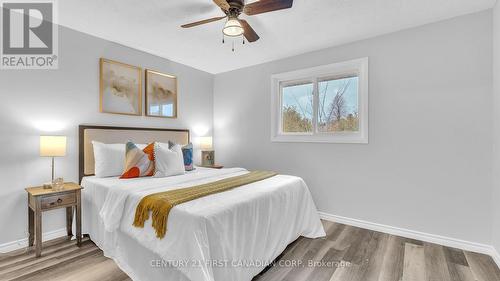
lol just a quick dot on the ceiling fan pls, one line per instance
(234, 26)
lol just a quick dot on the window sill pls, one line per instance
(354, 139)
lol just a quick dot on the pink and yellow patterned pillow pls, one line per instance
(138, 163)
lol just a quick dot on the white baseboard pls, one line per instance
(427, 237)
(23, 243)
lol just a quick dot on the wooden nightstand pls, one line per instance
(215, 166)
(41, 200)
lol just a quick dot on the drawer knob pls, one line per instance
(59, 200)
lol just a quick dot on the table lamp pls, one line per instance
(52, 146)
(207, 153)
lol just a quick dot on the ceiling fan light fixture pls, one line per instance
(233, 28)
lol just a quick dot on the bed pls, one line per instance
(231, 235)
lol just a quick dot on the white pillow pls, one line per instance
(109, 158)
(168, 161)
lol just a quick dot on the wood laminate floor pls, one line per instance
(346, 254)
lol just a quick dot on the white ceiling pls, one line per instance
(153, 26)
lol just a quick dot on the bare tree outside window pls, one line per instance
(297, 110)
(338, 105)
(324, 104)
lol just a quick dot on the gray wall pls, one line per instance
(496, 127)
(70, 96)
(427, 166)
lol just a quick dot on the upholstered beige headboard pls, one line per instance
(106, 134)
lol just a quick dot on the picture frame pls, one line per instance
(208, 158)
(161, 94)
(120, 88)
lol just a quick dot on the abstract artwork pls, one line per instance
(161, 94)
(120, 88)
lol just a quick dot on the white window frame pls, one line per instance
(358, 67)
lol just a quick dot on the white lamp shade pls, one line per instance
(52, 146)
(206, 143)
(233, 28)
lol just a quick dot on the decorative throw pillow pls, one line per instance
(187, 155)
(138, 163)
(168, 160)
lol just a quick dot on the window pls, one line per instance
(322, 104)
(297, 107)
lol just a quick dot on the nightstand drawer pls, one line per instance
(58, 200)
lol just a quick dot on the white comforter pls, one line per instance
(225, 236)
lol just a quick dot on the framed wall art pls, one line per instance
(120, 88)
(161, 94)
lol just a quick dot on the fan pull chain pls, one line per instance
(232, 42)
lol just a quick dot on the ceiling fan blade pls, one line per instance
(249, 33)
(264, 6)
(222, 4)
(202, 22)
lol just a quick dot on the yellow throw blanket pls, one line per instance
(161, 203)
